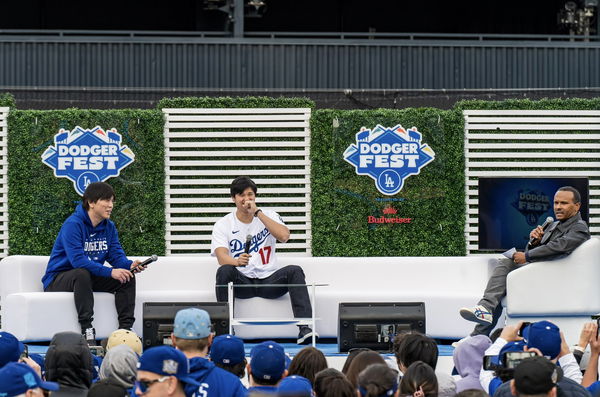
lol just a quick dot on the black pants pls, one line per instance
(83, 285)
(286, 275)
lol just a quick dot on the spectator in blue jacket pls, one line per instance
(86, 240)
(192, 336)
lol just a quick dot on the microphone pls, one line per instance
(247, 245)
(153, 258)
(548, 221)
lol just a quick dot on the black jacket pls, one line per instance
(69, 362)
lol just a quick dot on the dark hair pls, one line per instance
(97, 191)
(332, 383)
(360, 362)
(419, 375)
(576, 195)
(238, 369)
(307, 363)
(472, 393)
(241, 183)
(377, 379)
(352, 353)
(504, 374)
(417, 347)
(397, 342)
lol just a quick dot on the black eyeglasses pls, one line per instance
(143, 385)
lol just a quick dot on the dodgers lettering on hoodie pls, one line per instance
(81, 245)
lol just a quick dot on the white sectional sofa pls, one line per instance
(565, 291)
(444, 284)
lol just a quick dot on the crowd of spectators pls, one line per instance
(519, 360)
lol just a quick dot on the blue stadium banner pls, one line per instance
(84, 156)
(389, 156)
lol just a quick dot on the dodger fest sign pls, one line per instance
(84, 156)
(389, 156)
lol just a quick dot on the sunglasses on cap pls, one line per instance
(143, 385)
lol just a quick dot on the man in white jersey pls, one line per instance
(259, 265)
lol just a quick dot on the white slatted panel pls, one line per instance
(205, 149)
(530, 143)
(4, 181)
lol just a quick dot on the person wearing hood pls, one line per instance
(468, 361)
(120, 366)
(69, 363)
(192, 336)
(88, 239)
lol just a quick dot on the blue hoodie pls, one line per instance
(214, 381)
(80, 244)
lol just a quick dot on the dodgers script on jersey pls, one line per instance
(229, 232)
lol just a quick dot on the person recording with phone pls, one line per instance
(243, 242)
(86, 240)
(556, 241)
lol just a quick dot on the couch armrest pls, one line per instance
(567, 286)
(21, 273)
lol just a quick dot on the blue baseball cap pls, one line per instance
(544, 336)
(168, 361)
(295, 385)
(192, 323)
(515, 346)
(267, 361)
(10, 348)
(227, 349)
(17, 378)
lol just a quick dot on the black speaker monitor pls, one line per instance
(159, 316)
(373, 325)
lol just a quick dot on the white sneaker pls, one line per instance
(478, 314)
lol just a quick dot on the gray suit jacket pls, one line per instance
(560, 239)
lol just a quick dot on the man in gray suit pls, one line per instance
(559, 240)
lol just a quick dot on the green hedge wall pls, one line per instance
(342, 200)
(235, 102)
(7, 99)
(525, 104)
(39, 202)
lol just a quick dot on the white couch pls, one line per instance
(565, 291)
(443, 283)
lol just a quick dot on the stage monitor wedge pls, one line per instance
(373, 325)
(159, 316)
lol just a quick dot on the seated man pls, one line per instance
(259, 265)
(86, 240)
(559, 240)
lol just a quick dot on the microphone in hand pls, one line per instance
(547, 222)
(143, 264)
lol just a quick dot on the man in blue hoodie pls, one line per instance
(86, 240)
(192, 336)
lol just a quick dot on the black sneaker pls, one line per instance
(90, 336)
(305, 335)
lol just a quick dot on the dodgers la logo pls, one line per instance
(84, 156)
(389, 156)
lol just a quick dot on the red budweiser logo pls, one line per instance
(389, 210)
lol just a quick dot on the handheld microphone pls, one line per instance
(247, 245)
(548, 221)
(153, 258)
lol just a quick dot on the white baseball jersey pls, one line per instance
(229, 232)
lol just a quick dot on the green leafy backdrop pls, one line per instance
(342, 200)
(39, 202)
